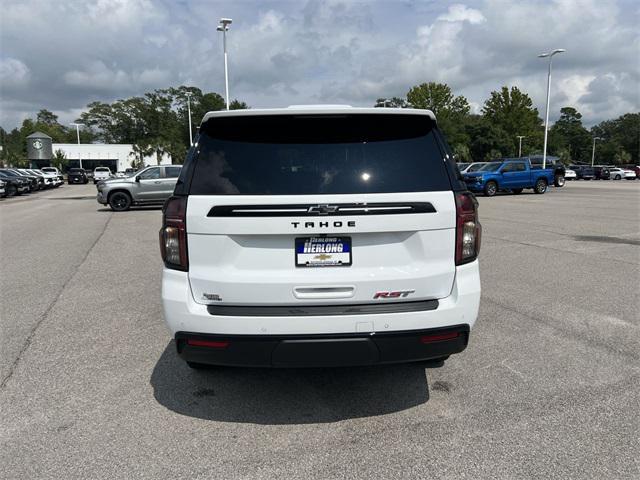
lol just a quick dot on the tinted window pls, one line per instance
(296, 155)
(150, 174)
(490, 167)
(514, 167)
(172, 172)
(475, 167)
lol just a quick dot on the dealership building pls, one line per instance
(117, 157)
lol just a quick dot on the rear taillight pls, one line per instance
(468, 229)
(173, 234)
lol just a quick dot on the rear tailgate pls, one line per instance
(251, 260)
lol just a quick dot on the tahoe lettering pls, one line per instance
(336, 224)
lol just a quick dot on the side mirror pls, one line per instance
(137, 179)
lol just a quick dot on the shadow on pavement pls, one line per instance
(286, 396)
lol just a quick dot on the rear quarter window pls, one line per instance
(318, 154)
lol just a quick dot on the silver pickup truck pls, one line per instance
(150, 186)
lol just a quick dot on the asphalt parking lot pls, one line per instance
(549, 386)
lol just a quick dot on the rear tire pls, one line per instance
(490, 189)
(120, 201)
(517, 191)
(435, 362)
(559, 181)
(540, 186)
(11, 191)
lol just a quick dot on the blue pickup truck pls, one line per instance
(512, 175)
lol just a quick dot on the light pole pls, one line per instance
(546, 121)
(78, 125)
(189, 113)
(520, 137)
(223, 27)
(593, 151)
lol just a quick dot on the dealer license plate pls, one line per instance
(323, 251)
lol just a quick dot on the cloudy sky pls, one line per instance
(63, 54)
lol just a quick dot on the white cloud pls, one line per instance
(13, 73)
(461, 13)
(98, 76)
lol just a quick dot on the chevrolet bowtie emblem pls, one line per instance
(323, 209)
(322, 256)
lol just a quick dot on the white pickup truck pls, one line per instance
(101, 173)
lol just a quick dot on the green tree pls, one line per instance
(512, 111)
(238, 105)
(450, 110)
(488, 141)
(60, 160)
(47, 118)
(622, 157)
(462, 153)
(157, 122)
(568, 134)
(620, 134)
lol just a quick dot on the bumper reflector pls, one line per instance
(438, 337)
(208, 343)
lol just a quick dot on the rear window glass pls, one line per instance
(321, 154)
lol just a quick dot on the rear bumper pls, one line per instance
(183, 314)
(321, 350)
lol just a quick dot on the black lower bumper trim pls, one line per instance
(322, 350)
(315, 310)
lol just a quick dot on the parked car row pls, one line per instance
(82, 176)
(560, 173)
(601, 172)
(16, 181)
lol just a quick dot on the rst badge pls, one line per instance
(394, 294)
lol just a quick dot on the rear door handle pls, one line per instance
(320, 292)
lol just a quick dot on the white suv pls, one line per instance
(319, 236)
